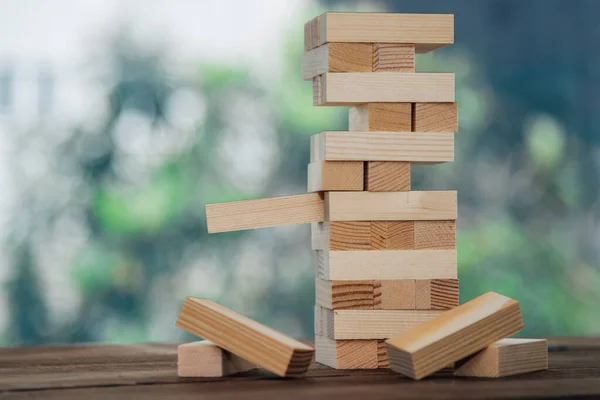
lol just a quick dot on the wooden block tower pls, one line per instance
(385, 255)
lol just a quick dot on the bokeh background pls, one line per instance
(120, 120)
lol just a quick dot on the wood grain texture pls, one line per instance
(391, 206)
(392, 235)
(393, 57)
(335, 175)
(254, 342)
(346, 354)
(345, 295)
(312, 33)
(396, 295)
(436, 294)
(382, 358)
(337, 57)
(380, 117)
(386, 176)
(435, 117)
(416, 147)
(454, 335)
(349, 235)
(206, 359)
(261, 213)
(386, 264)
(426, 31)
(435, 235)
(506, 357)
(317, 90)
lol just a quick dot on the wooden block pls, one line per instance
(335, 175)
(390, 206)
(311, 33)
(435, 235)
(435, 117)
(387, 176)
(346, 354)
(382, 358)
(386, 264)
(244, 337)
(206, 359)
(337, 57)
(261, 213)
(372, 324)
(427, 31)
(380, 117)
(454, 335)
(351, 235)
(436, 294)
(392, 235)
(395, 295)
(506, 357)
(351, 88)
(393, 57)
(317, 91)
(345, 295)
(416, 147)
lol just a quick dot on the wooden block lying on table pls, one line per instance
(427, 31)
(436, 294)
(416, 147)
(370, 324)
(335, 175)
(351, 88)
(435, 117)
(347, 354)
(261, 213)
(206, 359)
(244, 337)
(454, 335)
(387, 176)
(435, 235)
(393, 57)
(506, 357)
(386, 264)
(380, 117)
(337, 57)
(391, 206)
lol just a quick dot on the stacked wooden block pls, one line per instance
(386, 255)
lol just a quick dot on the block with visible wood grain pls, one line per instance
(454, 335)
(335, 175)
(387, 176)
(380, 117)
(393, 57)
(347, 354)
(206, 359)
(362, 235)
(436, 294)
(435, 117)
(245, 337)
(337, 57)
(506, 357)
(435, 235)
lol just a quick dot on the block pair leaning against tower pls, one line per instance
(386, 255)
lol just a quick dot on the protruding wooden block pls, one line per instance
(392, 235)
(380, 117)
(506, 357)
(347, 354)
(435, 117)
(335, 175)
(345, 295)
(436, 294)
(395, 294)
(337, 57)
(387, 176)
(349, 235)
(254, 342)
(454, 335)
(435, 235)
(206, 359)
(393, 57)
(261, 213)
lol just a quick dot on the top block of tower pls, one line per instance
(426, 31)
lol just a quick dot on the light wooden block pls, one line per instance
(506, 357)
(417, 147)
(435, 235)
(386, 264)
(206, 359)
(317, 90)
(387, 176)
(391, 206)
(392, 235)
(380, 117)
(311, 33)
(351, 88)
(345, 295)
(349, 235)
(436, 294)
(454, 335)
(371, 324)
(346, 354)
(254, 342)
(435, 117)
(393, 57)
(261, 213)
(337, 57)
(335, 175)
(382, 358)
(395, 294)
(426, 31)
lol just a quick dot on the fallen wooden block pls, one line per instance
(349, 354)
(352, 88)
(436, 294)
(454, 335)
(206, 359)
(261, 213)
(335, 175)
(254, 342)
(506, 357)
(435, 117)
(427, 31)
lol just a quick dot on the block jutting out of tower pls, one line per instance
(335, 175)
(206, 359)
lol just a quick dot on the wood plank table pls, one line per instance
(150, 370)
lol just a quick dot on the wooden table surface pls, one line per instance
(150, 370)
